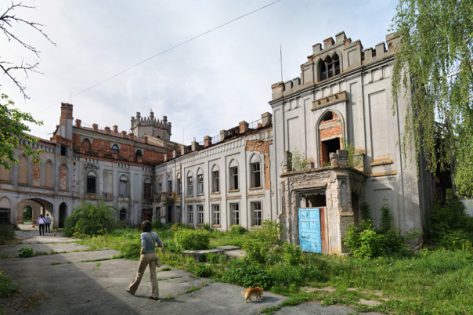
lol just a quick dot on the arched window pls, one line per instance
(138, 156)
(233, 172)
(91, 183)
(36, 176)
(48, 174)
(147, 192)
(215, 179)
(63, 177)
(179, 183)
(23, 171)
(123, 186)
(115, 148)
(190, 184)
(255, 171)
(85, 146)
(200, 182)
(169, 184)
(123, 215)
(330, 134)
(329, 67)
(4, 174)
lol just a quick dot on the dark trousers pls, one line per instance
(41, 229)
(48, 227)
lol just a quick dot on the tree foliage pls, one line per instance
(90, 219)
(434, 64)
(13, 132)
(13, 122)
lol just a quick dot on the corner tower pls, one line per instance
(151, 126)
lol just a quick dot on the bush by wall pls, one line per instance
(90, 219)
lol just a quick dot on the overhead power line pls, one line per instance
(164, 51)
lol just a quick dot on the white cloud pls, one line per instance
(204, 86)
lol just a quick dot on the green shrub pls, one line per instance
(7, 287)
(456, 239)
(237, 230)
(7, 232)
(283, 275)
(202, 270)
(292, 254)
(25, 252)
(247, 274)
(256, 250)
(130, 249)
(90, 219)
(192, 239)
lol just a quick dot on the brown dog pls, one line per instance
(249, 292)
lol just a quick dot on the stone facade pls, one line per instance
(223, 181)
(335, 139)
(342, 101)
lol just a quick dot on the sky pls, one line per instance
(202, 86)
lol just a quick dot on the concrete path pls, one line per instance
(91, 282)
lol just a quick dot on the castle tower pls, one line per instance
(151, 126)
(65, 122)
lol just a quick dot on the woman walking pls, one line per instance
(149, 240)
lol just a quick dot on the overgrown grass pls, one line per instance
(7, 232)
(430, 282)
(7, 287)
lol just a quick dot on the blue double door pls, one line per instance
(310, 234)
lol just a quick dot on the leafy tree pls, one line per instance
(90, 219)
(434, 63)
(13, 122)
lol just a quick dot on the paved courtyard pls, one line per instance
(76, 281)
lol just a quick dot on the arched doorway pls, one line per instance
(62, 214)
(38, 206)
(27, 214)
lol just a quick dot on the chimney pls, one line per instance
(266, 119)
(207, 141)
(65, 121)
(124, 134)
(243, 127)
(95, 127)
(78, 123)
(174, 154)
(194, 146)
(107, 130)
(222, 135)
(183, 150)
(115, 128)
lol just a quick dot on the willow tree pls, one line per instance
(434, 63)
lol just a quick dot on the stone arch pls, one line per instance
(91, 182)
(23, 171)
(48, 174)
(329, 66)
(139, 156)
(63, 177)
(330, 135)
(38, 206)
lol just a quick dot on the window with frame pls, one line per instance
(179, 186)
(216, 214)
(169, 187)
(190, 214)
(200, 214)
(115, 148)
(200, 184)
(147, 191)
(91, 187)
(159, 186)
(234, 178)
(329, 67)
(123, 186)
(235, 213)
(255, 174)
(256, 213)
(190, 186)
(215, 181)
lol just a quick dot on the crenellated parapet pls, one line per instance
(151, 126)
(334, 58)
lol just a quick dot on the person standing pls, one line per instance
(41, 224)
(148, 256)
(47, 223)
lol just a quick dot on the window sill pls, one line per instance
(217, 226)
(233, 190)
(256, 188)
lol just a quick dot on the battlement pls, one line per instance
(335, 57)
(151, 126)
